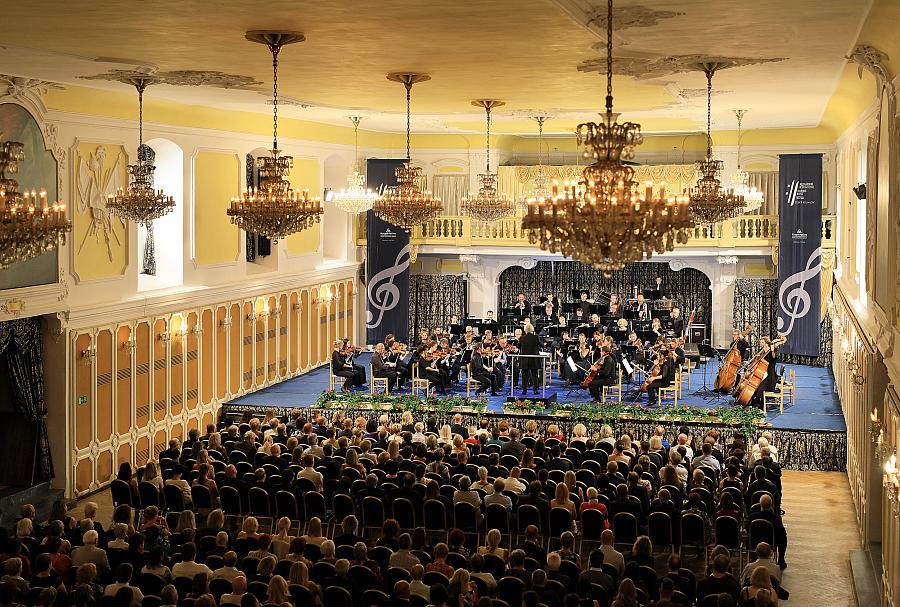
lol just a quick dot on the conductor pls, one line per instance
(529, 344)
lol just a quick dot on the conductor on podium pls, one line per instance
(530, 345)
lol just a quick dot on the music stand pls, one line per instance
(705, 391)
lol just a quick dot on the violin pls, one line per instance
(399, 348)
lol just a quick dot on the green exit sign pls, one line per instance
(82, 400)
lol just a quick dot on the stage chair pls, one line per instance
(688, 368)
(614, 390)
(470, 382)
(773, 398)
(377, 384)
(420, 383)
(670, 392)
(789, 386)
(333, 380)
(682, 377)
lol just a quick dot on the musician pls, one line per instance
(579, 318)
(428, 368)
(500, 364)
(642, 308)
(740, 343)
(508, 348)
(562, 344)
(341, 368)
(521, 306)
(393, 356)
(656, 326)
(678, 352)
(770, 355)
(529, 344)
(663, 378)
(639, 357)
(561, 319)
(548, 318)
(677, 321)
(517, 335)
(454, 321)
(584, 305)
(482, 371)
(658, 291)
(595, 320)
(551, 299)
(381, 368)
(351, 350)
(487, 339)
(581, 358)
(615, 308)
(622, 325)
(606, 373)
(489, 316)
(424, 337)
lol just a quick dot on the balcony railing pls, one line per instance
(743, 231)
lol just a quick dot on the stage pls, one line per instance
(810, 434)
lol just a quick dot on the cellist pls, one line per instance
(663, 376)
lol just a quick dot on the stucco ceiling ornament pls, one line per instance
(676, 265)
(647, 68)
(528, 263)
(19, 88)
(210, 78)
(95, 179)
(870, 58)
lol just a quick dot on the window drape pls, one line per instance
(450, 189)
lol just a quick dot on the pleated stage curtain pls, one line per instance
(433, 300)
(450, 189)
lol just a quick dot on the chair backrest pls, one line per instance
(494, 565)
(693, 529)
(510, 589)
(560, 521)
(201, 497)
(150, 583)
(372, 512)
(433, 578)
(259, 501)
(314, 505)
(570, 569)
(457, 561)
(625, 527)
(435, 515)
(761, 530)
(396, 574)
(374, 598)
(174, 498)
(301, 596)
(404, 513)
(728, 532)
(219, 586)
(121, 492)
(496, 516)
(150, 495)
(660, 528)
(526, 514)
(286, 505)
(599, 594)
(592, 524)
(231, 501)
(464, 516)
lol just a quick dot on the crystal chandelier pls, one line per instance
(29, 225)
(710, 202)
(606, 220)
(355, 198)
(140, 203)
(539, 190)
(406, 205)
(740, 179)
(274, 209)
(487, 204)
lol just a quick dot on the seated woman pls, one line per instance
(456, 542)
(760, 590)
(493, 545)
(593, 503)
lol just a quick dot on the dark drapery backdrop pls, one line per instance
(387, 263)
(433, 300)
(21, 357)
(756, 302)
(689, 287)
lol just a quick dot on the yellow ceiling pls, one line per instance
(525, 52)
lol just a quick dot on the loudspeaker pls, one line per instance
(860, 191)
(697, 334)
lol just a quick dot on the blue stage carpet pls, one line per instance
(816, 408)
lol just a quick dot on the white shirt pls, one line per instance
(136, 598)
(231, 599)
(614, 558)
(189, 569)
(226, 573)
(514, 485)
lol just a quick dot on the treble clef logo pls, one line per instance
(793, 298)
(382, 293)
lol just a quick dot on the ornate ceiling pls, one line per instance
(788, 57)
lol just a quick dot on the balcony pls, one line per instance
(743, 231)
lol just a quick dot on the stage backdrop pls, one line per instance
(387, 264)
(690, 288)
(433, 299)
(800, 252)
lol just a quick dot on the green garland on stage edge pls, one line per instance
(733, 416)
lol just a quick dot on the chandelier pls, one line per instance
(740, 179)
(29, 225)
(487, 204)
(274, 209)
(140, 203)
(355, 198)
(710, 202)
(539, 190)
(406, 205)
(606, 220)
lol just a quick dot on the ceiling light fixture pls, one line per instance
(355, 199)
(29, 225)
(274, 209)
(740, 179)
(140, 203)
(605, 220)
(710, 203)
(406, 205)
(539, 189)
(487, 204)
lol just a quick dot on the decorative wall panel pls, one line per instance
(132, 391)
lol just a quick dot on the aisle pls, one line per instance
(821, 531)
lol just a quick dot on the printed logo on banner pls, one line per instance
(798, 236)
(797, 192)
(794, 299)
(382, 293)
(388, 235)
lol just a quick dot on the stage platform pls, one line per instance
(816, 407)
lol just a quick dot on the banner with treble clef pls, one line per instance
(387, 264)
(800, 252)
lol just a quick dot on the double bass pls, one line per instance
(731, 365)
(756, 371)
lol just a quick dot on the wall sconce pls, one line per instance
(277, 311)
(129, 344)
(89, 352)
(875, 427)
(297, 307)
(891, 480)
(225, 322)
(197, 330)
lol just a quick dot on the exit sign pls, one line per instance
(82, 400)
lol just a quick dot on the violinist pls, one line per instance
(393, 354)
(382, 368)
(447, 363)
(662, 377)
(488, 339)
(562, 344)
(350, 351)
(580, 318)
(424, 337)
(454, 322)
(615, 308)
(428, 368)
(341, 368)
(678, 352)
(639, 357)
(508, 348)
(548, 317)
(580, 359)
(482, 371)
(561, 319)
(605, 375)
(500, 364)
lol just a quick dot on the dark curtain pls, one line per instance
(689, 288)
(256, 245)
(22, 354)
(433, 300)
(756, 302)
(146, 156)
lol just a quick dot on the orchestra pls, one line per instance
(590, 340)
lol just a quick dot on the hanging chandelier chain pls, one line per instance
(275, 48)
(740, 116)
(709, 75)
(140, 118)
(488, 145)
(408, 86)
(609, 60)
(540, 121)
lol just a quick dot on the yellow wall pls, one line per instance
(99, 240)
(305, 176)
(216, 179)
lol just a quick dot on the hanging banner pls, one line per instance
(800, 252)
(387, 264)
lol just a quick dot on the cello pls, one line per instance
(756, 371)
(731, 364)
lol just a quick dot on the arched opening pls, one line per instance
(161, 254)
